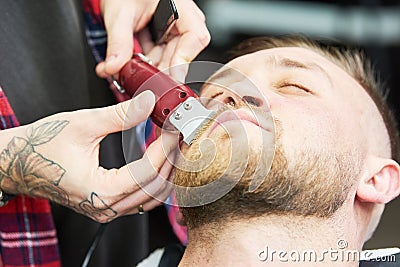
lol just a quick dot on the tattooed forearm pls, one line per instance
(26, 171)
(29, 172)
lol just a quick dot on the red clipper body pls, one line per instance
(138, 75)
(176, 104)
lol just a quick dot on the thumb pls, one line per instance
(127, 114)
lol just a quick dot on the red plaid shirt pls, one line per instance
(27, 233)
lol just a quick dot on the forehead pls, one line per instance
(292, 58)
(297, 53)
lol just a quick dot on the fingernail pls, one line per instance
(145, 101)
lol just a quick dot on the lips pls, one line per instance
(236, 115)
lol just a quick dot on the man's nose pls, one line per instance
(234, 99)
(243, 98)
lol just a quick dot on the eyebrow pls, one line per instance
(291, 63)
(220, 75)
(217, 78)
(277, 61)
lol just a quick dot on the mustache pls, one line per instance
(207, 124)
(259, 113)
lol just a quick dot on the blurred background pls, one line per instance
(371, 24)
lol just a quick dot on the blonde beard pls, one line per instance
(211, 167)
(317, 185)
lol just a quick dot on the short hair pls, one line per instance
(350, 59)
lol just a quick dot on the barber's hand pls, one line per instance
(58, 158)
(123, 18)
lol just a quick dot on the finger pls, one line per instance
(143, 171)
(155, 192)
(188, 47)
(122, 116)
(150, 204)
(194, 37)
(130, 187)
(158, 189)
(145, 207)
(145, 40)
(119, 23)
(167, 54)
(155, 54)
(100, 70)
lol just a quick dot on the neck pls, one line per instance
(274, 240)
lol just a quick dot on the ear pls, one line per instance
(382, 182)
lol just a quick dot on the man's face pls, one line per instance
(313, 110)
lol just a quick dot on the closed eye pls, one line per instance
(295, 86)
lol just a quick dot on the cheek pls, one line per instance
(310, 128)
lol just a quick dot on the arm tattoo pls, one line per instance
(96, 207)
(27, 170)
(31, 173)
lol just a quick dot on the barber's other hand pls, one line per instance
(58, 158)
(188, 37)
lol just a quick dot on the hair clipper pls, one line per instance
(177, 106)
